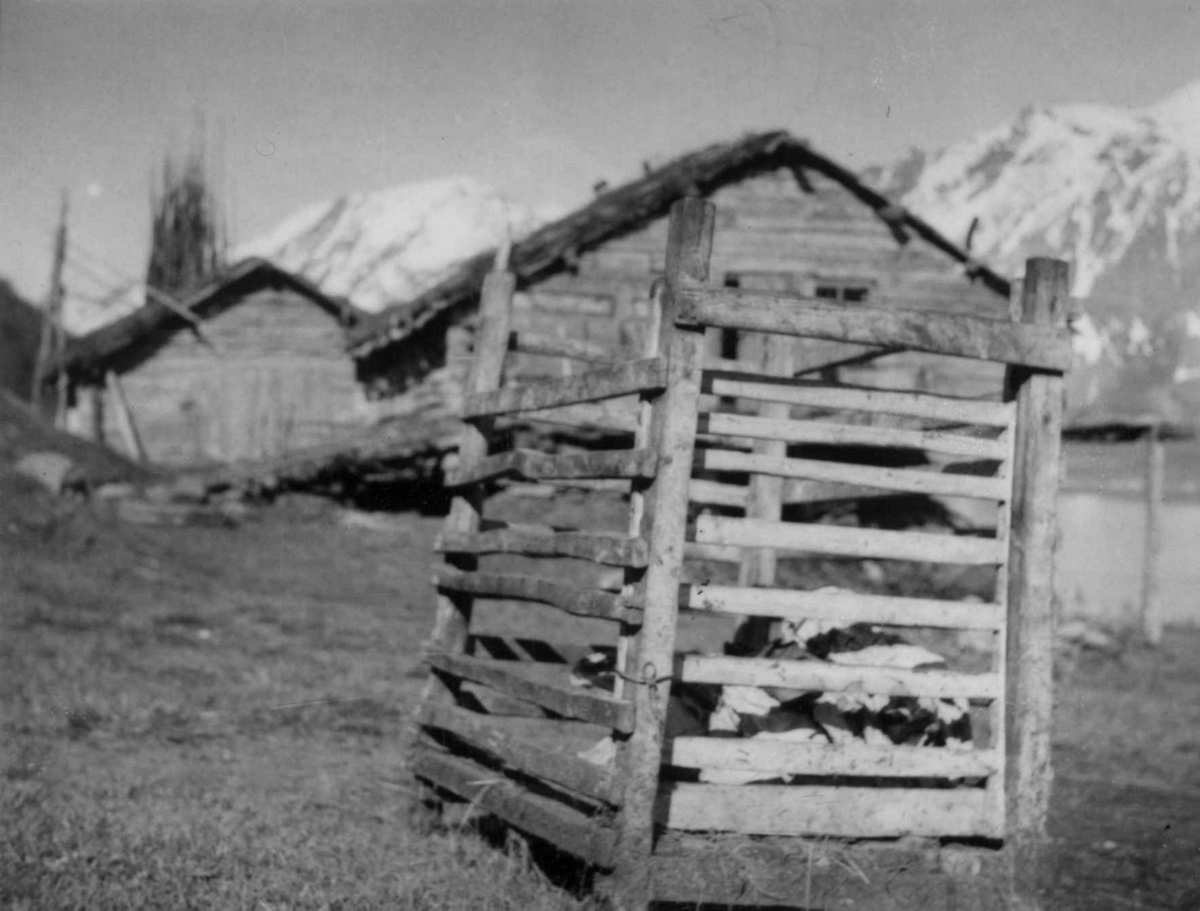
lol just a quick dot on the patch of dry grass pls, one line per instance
(215, 718)
(208, 718)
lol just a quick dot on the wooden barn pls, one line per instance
(247, 367)
(790, 220)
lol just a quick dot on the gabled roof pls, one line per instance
(553, 247)
(153, 324)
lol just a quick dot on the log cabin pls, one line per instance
(789, 219)
(258, 368)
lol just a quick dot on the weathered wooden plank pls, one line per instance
(717, 553)
(1029, 657)
(830, 433)
(780, 757)
(558, 824)
(603, 383)
(849, 542)
(832, 811)
(933, 483)
(851, 398)
(488, 733)
(822, 677)
(614, 550)
(531, 465)
(844, 607)
(560, 346)
(572, 599)
(956, 334)
(673, 428)
(714, 493)
(514, 678)
(742, 870)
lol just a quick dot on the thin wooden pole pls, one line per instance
(1151, 600)
(1028, 677)
(52, 345)
(689, 246)
(764, 499)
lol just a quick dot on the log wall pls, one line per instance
(276, 377)
(772, 235)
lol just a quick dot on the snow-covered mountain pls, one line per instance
(382, 247)
(1115, 192)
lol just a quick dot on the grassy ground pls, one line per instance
(214, 718)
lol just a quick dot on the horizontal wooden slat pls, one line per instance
(853, 398)
(843, 607)
(850, 542)
(715, 493)
(780, 757)
(822, 677)
(836, 812)
(487, 732)
(570, 598)
(557, 346)
(830, 433)
(604, 383)
(537, 466)
(614, 550)
(956, 334)
(717, 553)
(932, 483)
(567, 829)
(614, 415)
(515, 678)
(809, 365)
(521, 648)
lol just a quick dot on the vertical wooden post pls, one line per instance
(642, 439)
(689, 245)
(95, 403)
(1029, 682)
(1151, 606)
(491, 344)
(764, 498)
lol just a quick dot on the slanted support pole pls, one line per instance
(491, 343)
(126, 422)
(664, 525)
(1151, 599)
(1029, 683)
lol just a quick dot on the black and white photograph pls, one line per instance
(551, 455)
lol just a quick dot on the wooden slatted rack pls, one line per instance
(862, 823)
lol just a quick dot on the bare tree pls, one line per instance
(187, 245)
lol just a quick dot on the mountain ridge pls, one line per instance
(1115, 192)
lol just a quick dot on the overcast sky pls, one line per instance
(541, 99)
